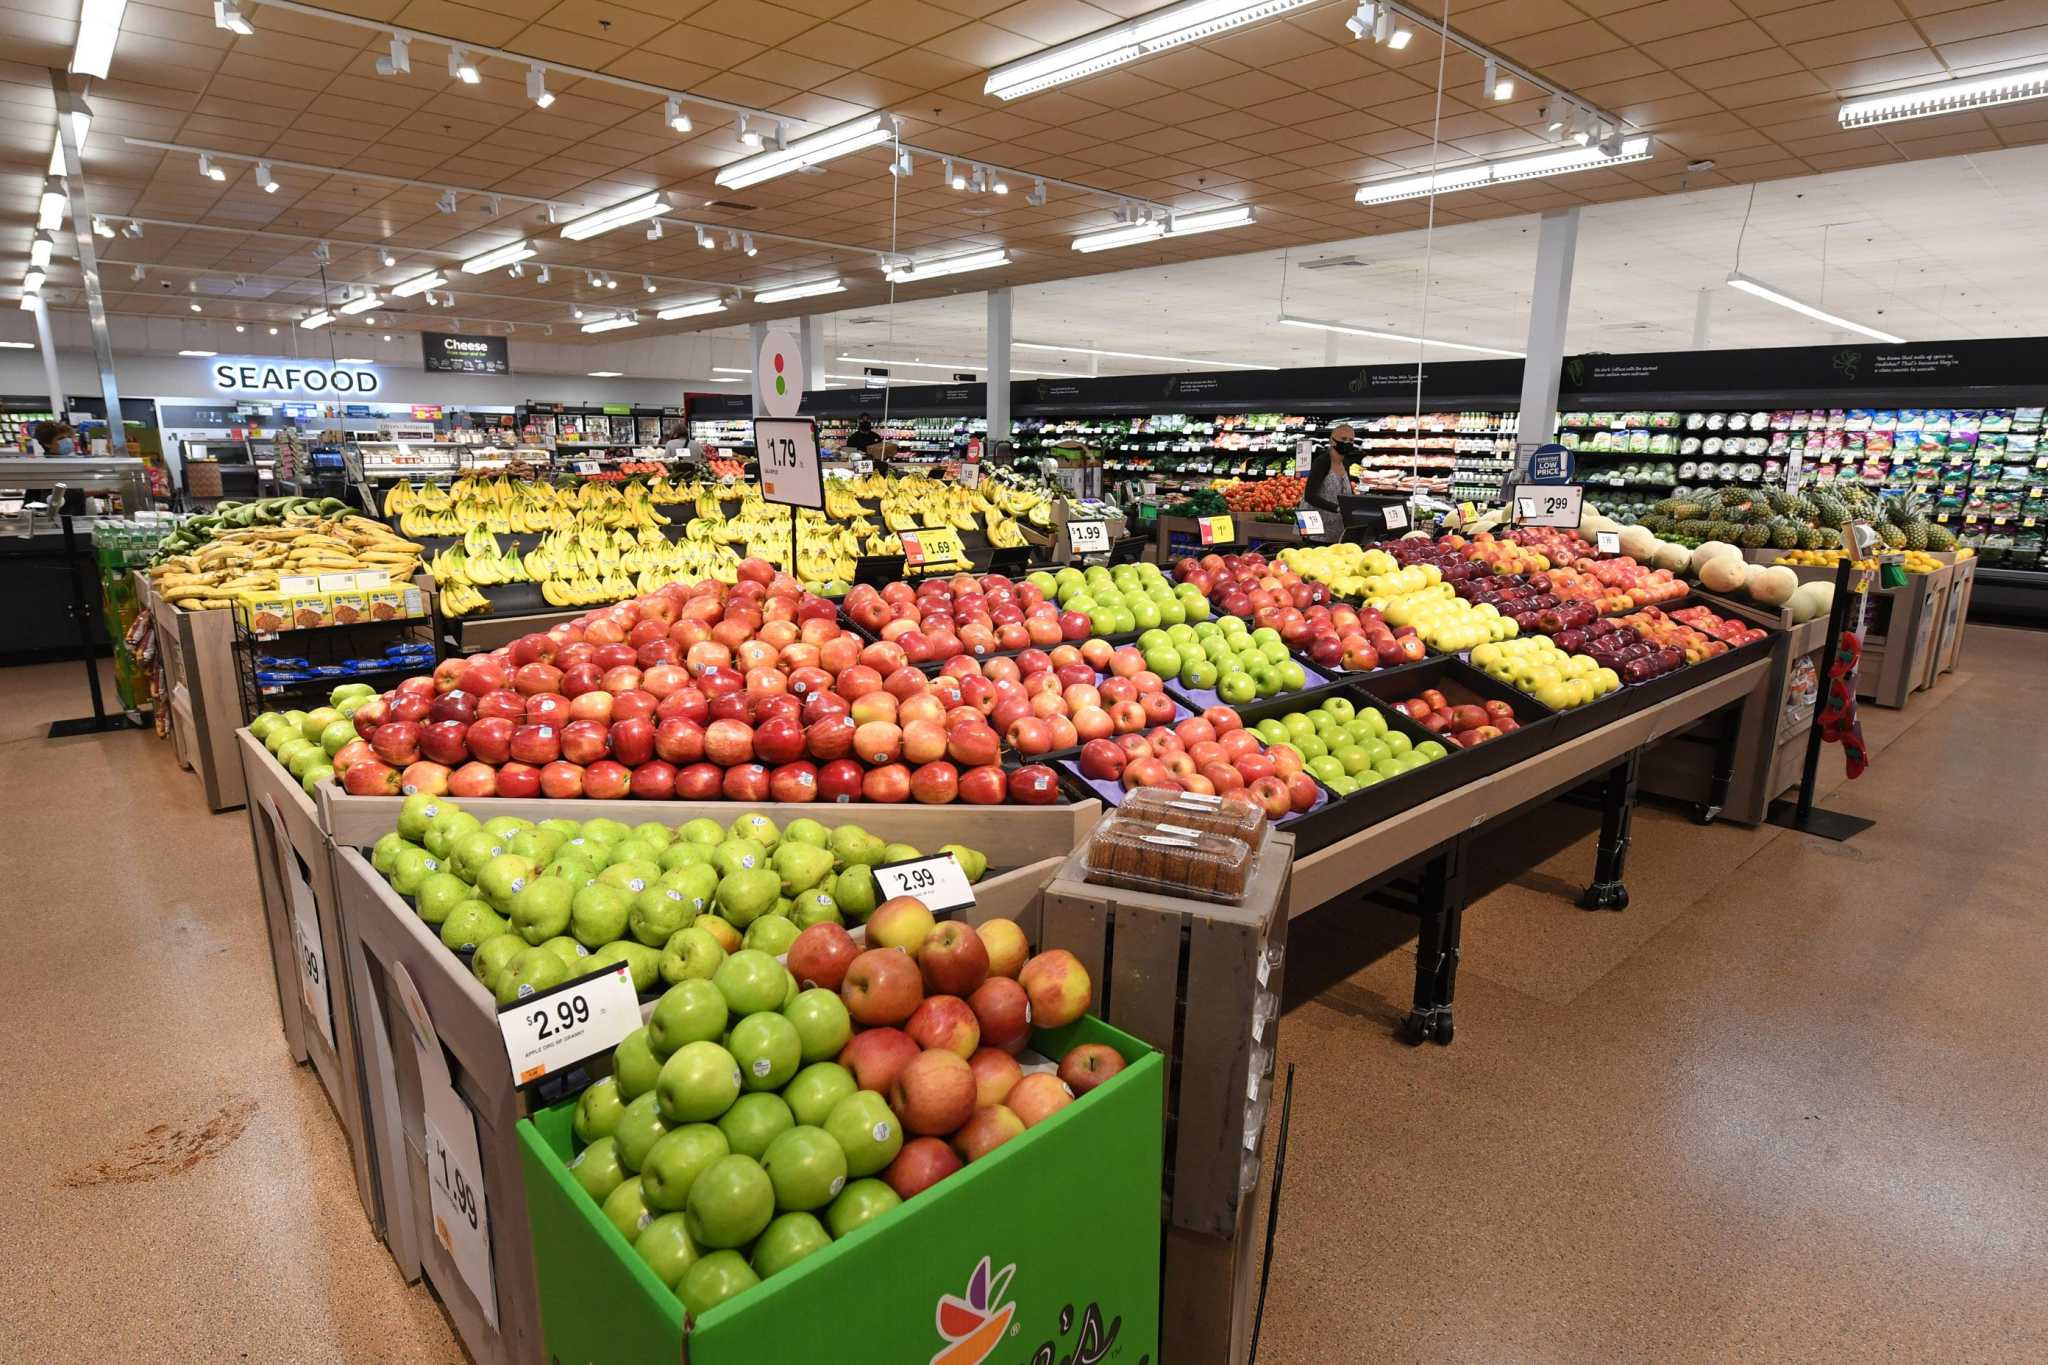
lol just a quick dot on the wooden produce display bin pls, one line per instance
(1201, 983)
(295, 870)
(1954, 614)
(1901, 637)
(198, 651)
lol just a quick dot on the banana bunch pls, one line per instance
(252, 559)
(459, 599)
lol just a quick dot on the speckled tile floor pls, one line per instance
(1786, 1108)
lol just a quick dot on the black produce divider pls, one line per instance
(1633, 697)
(1462, 684)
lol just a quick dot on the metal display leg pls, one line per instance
(1440, 902)
(1727, 730)
(101, 721)
(1618, 801)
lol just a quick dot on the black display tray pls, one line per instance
(1632, 697)
(1536, 729)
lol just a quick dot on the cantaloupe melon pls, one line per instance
(1713, 549)
(1720, 573)
(1672, 556)
(1774, 586)
(1811, 601)
(1638, 543)
(1749, 573)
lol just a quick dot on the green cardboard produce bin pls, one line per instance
(1051, 1241)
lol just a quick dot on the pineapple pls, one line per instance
(1940, 538)
(1754, 536)
(1894, 538)
(1785, 534)
(1814, 538)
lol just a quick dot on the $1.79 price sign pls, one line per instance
(938, 881)
(787, 448)
(554, 1029)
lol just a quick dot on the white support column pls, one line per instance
(88, 258)
(51, 374)
(1703, 319)
(757, 332)
(811, 341)
(1329, 348)
(998, 367)
(1549, 303)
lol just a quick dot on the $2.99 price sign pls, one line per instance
(938, 881)
(1548, 504)
(555, 1029)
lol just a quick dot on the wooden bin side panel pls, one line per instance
(276, 909)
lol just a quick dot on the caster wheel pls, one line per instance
(1417, 1029)
(1705, 815)
(1444, 1028)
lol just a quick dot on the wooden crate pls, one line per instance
(198, 648)
(1201, 983)
(1208, 1286)
(1948, 640)
(1895, 662)
(295, 869)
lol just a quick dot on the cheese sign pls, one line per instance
(1216, 530)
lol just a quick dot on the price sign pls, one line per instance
(1794, 466)
(1607, 542)
(1467, 512)
(307, 951)
(1396, 517)
(788, 451)
(1304, 455)
(938, 881)
(555, 1029)
(1540, 505)
(586, 466)
(455, 1169)
(932, 545)
(1216, 530)
(1310, 520)
(1088, 537)
(970, 476)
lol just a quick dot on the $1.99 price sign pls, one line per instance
(1088, 537)
(554, 1029)
(938, 881)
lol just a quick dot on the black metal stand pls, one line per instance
(101, 721)
(1617, 812)
(1800, 814)
(1440, 904)
(1727, 730)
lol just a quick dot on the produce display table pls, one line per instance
(198, 652)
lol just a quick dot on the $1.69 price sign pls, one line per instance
(554, 1029)
(938, 881)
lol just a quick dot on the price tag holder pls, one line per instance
(1396, 517)
(1304, 455)
(307, 950)
(1607, 542)
(787, 448)
(1088, 537)
(1310, 520)
(970, 476)
(455, 1168)
(586, 466)
(1216, 530)
(932, 545)
(938, 880)
(1548, 505)
(553, 1030)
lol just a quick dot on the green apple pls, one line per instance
(815, 906)
(1324, 767)
(855, 893)
(666, 1246)
(702, 830)
(658, 914)
(597, 1169)
(807, 1168)
(860, 1203)
(634, 1065)
(529, 972)
(806, 831)
(731, 1202)
(631, 875)
(754, 1121)
(439, 893)
(384, 853)
(1397, 743)
(768, 1051)
(1389, 767)
(866, 1131)
(689, 1012)
(469, 924)
(745, 894)
(598, 914)
(751, 981)
(771, 934)
(337, 733)
(698, 1082)
(1352, 758)
(540, 909)
(626, 1209)
(675, 1161)
(493, 953)
(736, 854)
(417, 810)
(715, 1278)
(1343, 784)
(598, 1109)
(690, 954)
(787, 1240)
(575, 957)
(1236, 687)
(447, 827)
(1431, 750)
(1292, 676)
(813, 1091)
(640, 1126)
(1340, 707)
(801, 866)
(821, 1022)
(502, 878)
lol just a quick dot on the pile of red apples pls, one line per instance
(1212, 755)
(1050, 700)
(940, 618)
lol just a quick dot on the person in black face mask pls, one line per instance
(1329, 478)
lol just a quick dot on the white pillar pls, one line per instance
(88, 260)
(1549, 303)
(757, 333)
(1702, 318)
(998, 367)
(811, 341)
(51, 375)
(1329, 348)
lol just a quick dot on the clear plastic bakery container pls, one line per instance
(1169, 859)
(1240, 819)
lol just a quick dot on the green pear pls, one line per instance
(606, 831)
(493, 953)
(501, 878)
(438, 894)
(643, 962)
(418, 810)
(655, 833)
(469, 924)
(685, 853)
(505, 826)
(469, 853)
(802, 866)
(411, 868)
(444, 829)
(315, 721)
(747, 894)
(806, 831)
(702, 830)
(311, 780)
(691, 954)
(539, 844)
(540, 910)
(264, 724)
(563, 826)
(972, 861)
(855, 893)
(598, 914)
(736, 855)
(384, 853)
(897, 853)
(631, 875)
(634, 1065)
(575, 957)
(754, 826)
(697, 881)
(659, 913)
(574, 867)
(815, 906)
(336, 735)
(848, 842)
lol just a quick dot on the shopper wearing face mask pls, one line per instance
(55, 440)
(1329, 478)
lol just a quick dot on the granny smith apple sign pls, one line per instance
(552, 1029)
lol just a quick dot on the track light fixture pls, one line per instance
(399, 63)
(647, 284)
(462, 68)
(610, 283)
(635, 210)
(138, 274)
(446, 203)
(50, 207)
(1498, 87)
(388, 259)
(131, 229)
(901, 167)
(810, 150)
(493, 206)
(537, 87)
(1037, 196)
(101, 227)
(227, 15)
(747, 136)
(322, 252)
(1187, 22)
(591, 279)
(209, 170)
(672, 114)
(546, 276)
(654, 231)
(957, 179)
(704, 240)
(747, 244)
(997, 185)
(39, 251)
(978, 182)
(265, 181)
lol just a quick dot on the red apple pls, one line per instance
(473, 779)
(840, 780)
(1003, 1010)
(1038, 1097)
(935, 1093)
(995, 1071)
(1034, 785)
(794, 782)
(397, 742)
(922, 1163)
(935, 784)
(820, 956)
(444, 741)
(518, 780)
(747, 782)
(889, 783)
(882, 986)
(370, 777)
(1089, 1065)
(699, 782)
(728, 743)
(561, 780)
(954, 960)
(986, 785)
(875, 1056)
(945, 1023)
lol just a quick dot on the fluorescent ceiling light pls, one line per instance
(949, 265)
(199, 353)
(317, 321)
(17, 345)
(606, 374)
(634, 210)
(609, 324)
(50, 208)
(1139, 355)
(1737, 280)
(39, 251)
(979, 366)
(692, 310)
(497, 256)
(419, 284)
(99, 24)
(1946, 97)
(32, 282)
(799, 291)
(1503, 172)
(81, 124)
(1397, 336)
(362, 303)
(736, 369)
(869, 379)
(808, 150)
(344, 360)
(1189, 21)
(1184, 225)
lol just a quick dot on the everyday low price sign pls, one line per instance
(1088, 537)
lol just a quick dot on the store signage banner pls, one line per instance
(281, 376)
(446, 353)
(1686, 376)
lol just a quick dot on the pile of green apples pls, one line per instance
(306, 741)
(1118, 601)
(1224, 656)
(541, 903)
(1346, 747)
